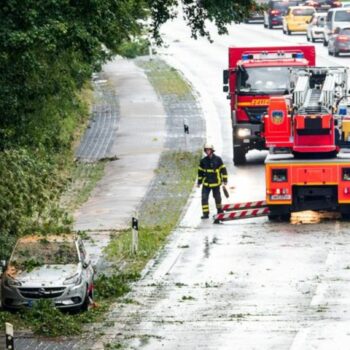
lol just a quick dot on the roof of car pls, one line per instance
(50, 238)
(302, 7)
(339, 9)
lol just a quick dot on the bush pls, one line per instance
(115, 285)
(45, 319)
(132, 49)
(29, 191)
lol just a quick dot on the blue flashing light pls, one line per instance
(342, 110)
(299, 55)
(245, 57)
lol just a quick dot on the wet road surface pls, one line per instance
(248, 284)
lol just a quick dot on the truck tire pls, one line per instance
(238, 156)
(273, 217)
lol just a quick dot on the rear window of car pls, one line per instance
(283, 5)
(303, 12)
(345, 31)
(342, 16)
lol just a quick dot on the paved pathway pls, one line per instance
(139, 141)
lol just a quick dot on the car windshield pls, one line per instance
(342, 16)
(263, 80)
(44, 252)
(283, 5)
(303, 12)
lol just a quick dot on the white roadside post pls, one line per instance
(135, 235)
(150, 49)
(186, 133)
(9, 336)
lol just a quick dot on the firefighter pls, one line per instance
(212, 174)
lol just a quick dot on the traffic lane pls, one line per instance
(251, 286)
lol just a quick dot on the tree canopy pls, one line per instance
(48, 48)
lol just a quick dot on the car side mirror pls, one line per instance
(225, 76)
(86, 264)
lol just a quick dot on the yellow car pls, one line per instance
(297, 19)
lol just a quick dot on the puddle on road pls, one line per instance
(313, 217)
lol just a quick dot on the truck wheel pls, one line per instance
(346, 216)
(273, 217)
(285, 217)
(238, 156)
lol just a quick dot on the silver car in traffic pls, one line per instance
(54, 267)
(315, 28)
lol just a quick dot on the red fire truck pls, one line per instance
(254, 75)
(307, 133)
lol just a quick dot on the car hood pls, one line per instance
(47, 274)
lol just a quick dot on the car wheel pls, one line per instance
(270, 25)
(289, 32)
(265, 25)
(325, 43)
(284, 31)
(336, 53)
(313, 39)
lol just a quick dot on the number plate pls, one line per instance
(282, 197)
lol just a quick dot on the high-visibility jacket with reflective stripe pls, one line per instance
(212, 171)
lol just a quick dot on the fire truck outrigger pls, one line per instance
(307, 133)
(254, 75)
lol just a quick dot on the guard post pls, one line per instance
(9, 336)
(135, 235)
(186, 133)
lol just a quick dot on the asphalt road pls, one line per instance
(242, 285)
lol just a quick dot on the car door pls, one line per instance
(328, 26)
(332, 38)
(286, 19)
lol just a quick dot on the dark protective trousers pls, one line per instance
(205, 198)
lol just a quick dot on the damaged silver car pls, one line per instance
(54, 267)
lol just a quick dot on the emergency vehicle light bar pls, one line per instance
(272, 55)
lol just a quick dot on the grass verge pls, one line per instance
(158, 215)
(165, 79)
(83, 179)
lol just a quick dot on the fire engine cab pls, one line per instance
(308, 134)
(256, 74)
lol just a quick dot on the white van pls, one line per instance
(336, 18)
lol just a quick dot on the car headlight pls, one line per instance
(75, 279)
(12, 282)
(243, 132)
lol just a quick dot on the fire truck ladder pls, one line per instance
(246, 210)
(317, 89)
